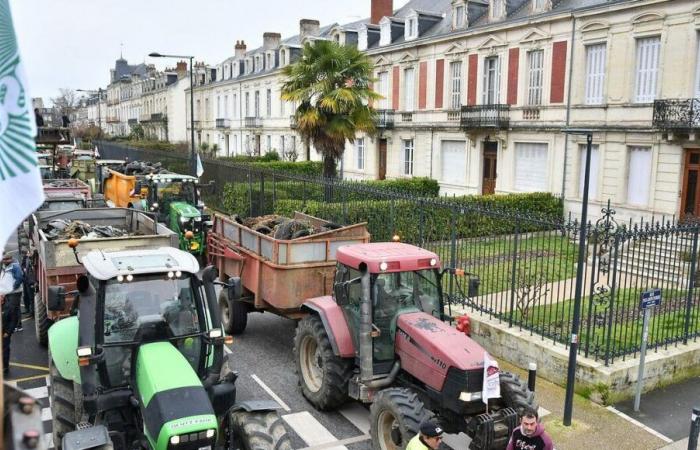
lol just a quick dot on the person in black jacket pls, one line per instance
(10, 319)
(38, 118)
(530, 435)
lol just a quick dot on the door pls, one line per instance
(382, 159)
(488, 184)
(690, 194)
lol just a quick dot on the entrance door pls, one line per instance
(382, 159)
(690, 195)
(488, 185)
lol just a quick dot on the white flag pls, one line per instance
(96, 152)
(492, 382)
(21, 191)
(200, 168)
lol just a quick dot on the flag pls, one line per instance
(96, 152)
(200, 168)
(21, 191)
(492, 382)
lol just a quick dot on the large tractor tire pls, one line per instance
(234, 315)
(515, 393)
(259, 431)
(41, 321)
(66, 404)
(323, 376)
(395, 417)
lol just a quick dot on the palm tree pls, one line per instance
(331, 85)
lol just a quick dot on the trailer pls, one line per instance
(274, 275)
(55, 263)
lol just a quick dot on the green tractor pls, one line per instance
(140, 364)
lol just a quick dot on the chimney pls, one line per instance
(181, 69)
(308, 27)
(240, 49)
(271, 40)
(381, 8)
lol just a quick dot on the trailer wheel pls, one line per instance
(41, 321)
(395, 417)
(323, 376)
(515, 393)
(234, 314)
(263, 430)
(66, 404)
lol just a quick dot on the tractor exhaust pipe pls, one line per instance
(387, 380)
(365, 336)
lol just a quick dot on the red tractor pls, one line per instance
(381, 339)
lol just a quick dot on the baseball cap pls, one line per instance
(6, 256)
(430, 429)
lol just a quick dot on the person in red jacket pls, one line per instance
(530, 435)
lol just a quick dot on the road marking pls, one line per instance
(19, 380)
(352, 440)
(357, 415)
(45, 414)
(30, 366)
(48, 440)
(271, 393)
(640, 424)
(311, 431)
(227, 350)
(38, 392)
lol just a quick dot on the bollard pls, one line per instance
(531, 376)
(694, 429)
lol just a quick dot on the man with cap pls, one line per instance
(530, 434)
(11, 284)
(430, 437)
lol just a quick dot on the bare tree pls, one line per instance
(530, 290)
(66, 103)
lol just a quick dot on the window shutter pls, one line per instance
(471, 89)
(647, 69)
(409, 88)
(535, 66)
(530, 167)
(439, 82)
(595, 73)
(423, 85)
(558, 72)
(396, 88)
(513, 63)
(639, 176)
(453, 162)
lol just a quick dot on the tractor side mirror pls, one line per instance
(340, 292)
(56, 298)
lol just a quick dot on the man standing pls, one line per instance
(430, 437)
(530, 435)
(11, 283)
(38, 118)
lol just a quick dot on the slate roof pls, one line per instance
(123, 69)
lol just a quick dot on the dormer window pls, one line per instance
(362, 39)
(541, 5)
(283, 57)
(385, 31)
(268, 63)
(411, 29)
(336, 38)
(498, 9)
(459, 15)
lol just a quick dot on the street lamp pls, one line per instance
(99, 92)
(193, 156)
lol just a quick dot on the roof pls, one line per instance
(109, 265)
(123, 69)
(398, 256)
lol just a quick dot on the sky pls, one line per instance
(74, 43)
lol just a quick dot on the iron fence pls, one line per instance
(525, 262)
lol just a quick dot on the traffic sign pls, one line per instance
(650, 298)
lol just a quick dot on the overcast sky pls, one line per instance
(74, 43)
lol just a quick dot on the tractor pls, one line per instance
(381, 339)
(140, 362)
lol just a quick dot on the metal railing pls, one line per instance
(524, 255)
(223, 123)
(677, 114)
(53, 135)
(158, 117)
(385, 119)
(133, 121)
(253, 122)
(485, 116)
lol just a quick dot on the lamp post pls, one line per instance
(193, 155)
(99, 92)
(573, 342)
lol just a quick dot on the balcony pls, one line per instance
(293, 124)
(385, 119)
(133, 122)
(223, 123)
(406, 117)
(158, 117)
(53, 135)
(485, 116)
(677, 114)
(253, 122)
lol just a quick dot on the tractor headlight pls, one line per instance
(383, 266)
(210, 434)
(433, 261)
(84, 351)
(175, 440)
(215, 333)
(470, 396)
(197, 219)
(184, 219)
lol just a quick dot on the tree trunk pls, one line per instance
(308, 151)
(329, 166)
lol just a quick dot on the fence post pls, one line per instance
(691, 285)
(513, 269)
(611, 306)
(694, 429)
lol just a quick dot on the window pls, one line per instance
(235, 144)
(409, 89)
(697, 71)
(407, 157)
(459, 16)
(282, 106)
(496, 9)
(639, 176)
(206, 109)
(257, 103)
(362, 39)
(411, 30)
(383, 89)
(537, 5)
(218, 106)
(530, 167)
(269, 103)
(593, 178)
(283, 147)
(226, 106)
(235, 106)
(647, 69)
(595, 73)
(491, 81)
(269, 143)
(247, 104)
(456, 84)
(269, 61)
(360, 153)
(535, 64)
(385, 32)
(453, 162)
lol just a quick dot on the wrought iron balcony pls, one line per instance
(385, 119)
(677, 114)
(223, 123)
(133, 121)
(293, 124)
(485, 116)
(253, 122)
(158, 117)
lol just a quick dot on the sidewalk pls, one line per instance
(593, 427)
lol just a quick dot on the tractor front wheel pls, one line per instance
(66, 404)
(258, 431)
(234, 314)
(323, 376)
(395, 417)
(515, 393)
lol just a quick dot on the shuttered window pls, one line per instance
(360, 151)
(454, 162)
(383, 89)
(639, 176)
(530, 167)
(269, 102)
(697, 70)
(456, 84)
(407, 157)
(535, 68)
(409, 84)
(491, 81)
(593, 177)
(647, 69)
(595, 73)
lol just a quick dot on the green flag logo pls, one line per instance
(17, 148)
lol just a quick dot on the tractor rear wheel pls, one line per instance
(395, 417)
(234, 315)
(66, 404)
(41, 320)
(323, 376)
(259, 431)
(515, 393)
